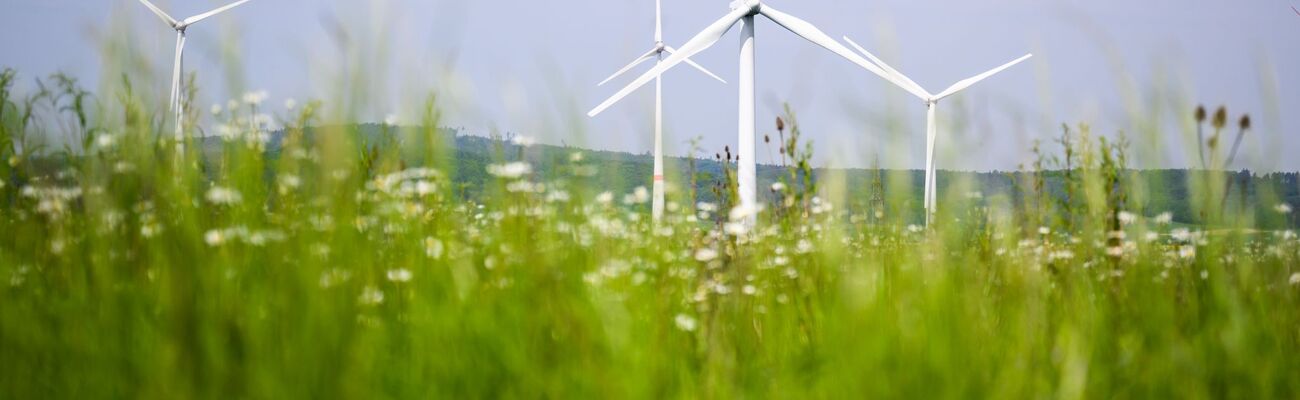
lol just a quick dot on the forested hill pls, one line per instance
(620, 172)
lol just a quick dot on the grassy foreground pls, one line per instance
(337, 269)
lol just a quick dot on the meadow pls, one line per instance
(320, 262)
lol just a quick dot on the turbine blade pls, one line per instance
(659, 22)
(899, 79)
(648, 55)
(693, 64)
(700, 42)
(812, 34)
(191, 20)
(159, 12)
(959, 86)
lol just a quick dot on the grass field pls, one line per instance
(134, 267)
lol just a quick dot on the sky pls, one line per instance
(531, 68)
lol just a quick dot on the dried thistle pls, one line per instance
(1200, 134)
(1236, 145)
(1220, 118)
(780, 124)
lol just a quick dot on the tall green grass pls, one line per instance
(339, 266)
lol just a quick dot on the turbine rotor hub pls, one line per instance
(752, 5)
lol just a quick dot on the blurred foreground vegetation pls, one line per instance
(369, 261)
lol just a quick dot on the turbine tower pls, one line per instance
(931, 100)
(657, 52)
(175, 104)
(744, 12)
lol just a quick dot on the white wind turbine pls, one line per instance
(657, 52)
(743, 11)
(175, 104)
(931, 100)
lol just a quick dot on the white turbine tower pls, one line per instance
(657, 52)
(175, 104)
(743, 11)
(931, 100)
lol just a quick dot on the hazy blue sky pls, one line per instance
(531, 67)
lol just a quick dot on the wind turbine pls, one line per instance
(931, 100)
(743, 11)
(657, 52)
(175, 104)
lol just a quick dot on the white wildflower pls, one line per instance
(803, 247)
(255, 98)
(512, 170)
(639, 196)
(1043, 230)
(576, 156)
(1181, 235)
(778, 187)
(1165, 218)
(1187, 252)
(399, 275)
(1283, 208)
(1126, 218)
(706, 207)
(216, 109)
(213, 237)
(745, 212)
(105, 141)
(735, 228)
(223, 196)
(1295, 278)
(705, 255)
(1060, 255)
(290, 104)
(749, 290)
(371, 296)
(685, 322)
(523, 141)
(1151, 237)
(605, 197)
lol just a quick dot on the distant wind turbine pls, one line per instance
(175, 104)
(744, 12)
(657, 52)
(931, 100)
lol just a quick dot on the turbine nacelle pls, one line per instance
(754, 6)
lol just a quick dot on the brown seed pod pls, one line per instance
(1220, 118)
(767, 139)
(1245, 122)
(780, 124)
(1200, 113)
